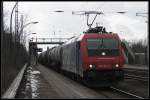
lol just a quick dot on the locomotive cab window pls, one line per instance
(97, 46)
(110, 43)
(93, 43)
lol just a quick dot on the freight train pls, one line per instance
(95, 57)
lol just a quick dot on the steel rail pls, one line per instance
(136, 70)
(136, 77)
(127, 93)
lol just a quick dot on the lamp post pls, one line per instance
(11, 17)
(28, 24)
(21, 30)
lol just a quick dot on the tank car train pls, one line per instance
(94, 58)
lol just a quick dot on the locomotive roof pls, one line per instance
(92, 35)
(104, 35)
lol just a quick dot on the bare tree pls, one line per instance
(5, 19)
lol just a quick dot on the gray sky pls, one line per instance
(128, 26)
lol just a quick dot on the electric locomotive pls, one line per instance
(96, 57)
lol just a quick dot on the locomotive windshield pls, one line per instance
(107, 45)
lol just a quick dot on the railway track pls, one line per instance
(137, 71)
(126, 93)
(136, 74)
(140, 78)
(80, 91)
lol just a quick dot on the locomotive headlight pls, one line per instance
(103, 54)
(116, 65)
(90, 66)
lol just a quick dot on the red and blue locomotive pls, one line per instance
(96, 57)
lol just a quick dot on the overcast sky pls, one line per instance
(128, 25)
